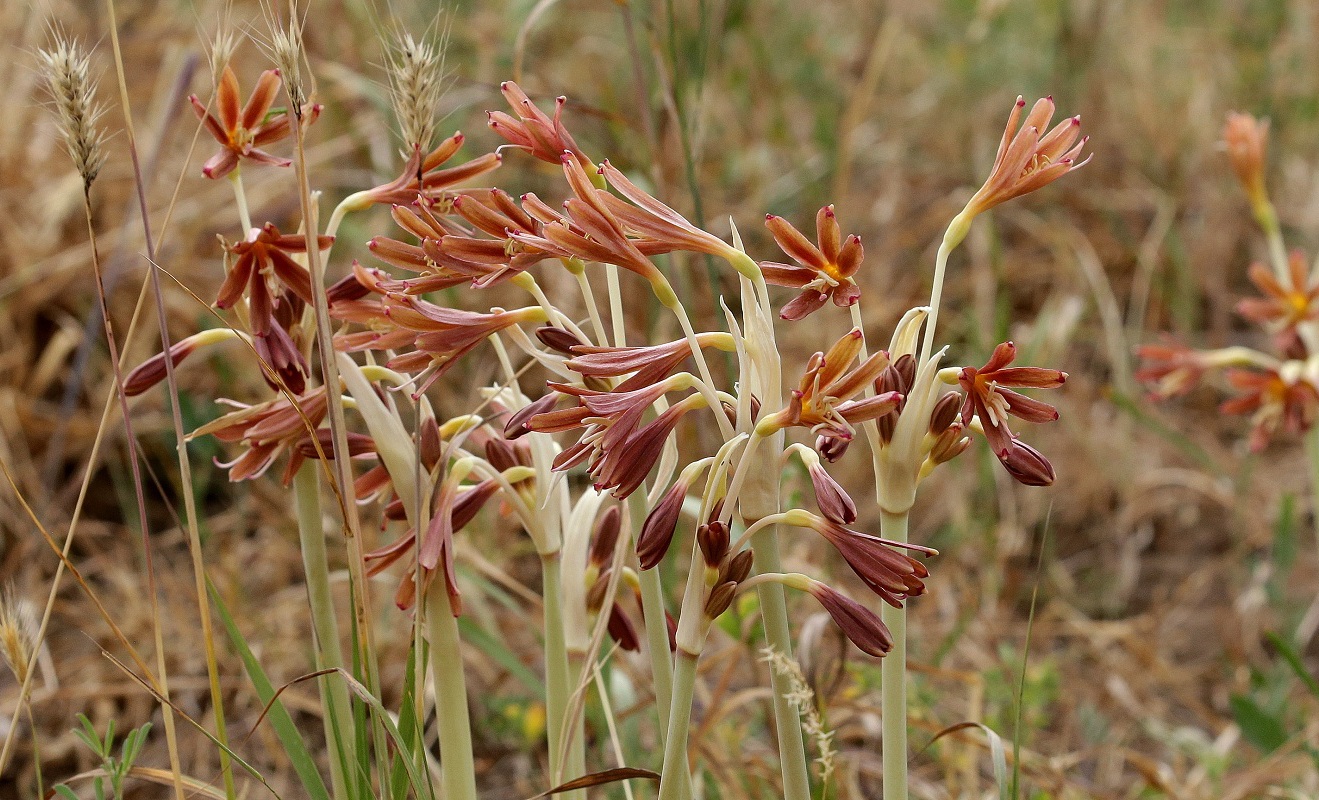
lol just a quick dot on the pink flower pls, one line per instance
(825, 272)
(990, 400)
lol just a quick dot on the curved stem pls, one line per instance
(893, 679)
(725, 427)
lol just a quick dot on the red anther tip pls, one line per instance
(1021, 101)
(459, 137)
(769, 216)
(1049, 98)
(503, 85)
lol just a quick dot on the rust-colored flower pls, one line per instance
(989, 398)
(424, 175)
(1247, 140)
(824, 272)
(861, 625)
(1029, 158)
(1280, 399)
(533, 130)
(1172, 367)
(263, 258)
(822, 401)
(1282, 308)
(242, 130)
(890, 574)
(266, 430)
(443, 335)
(647, 364)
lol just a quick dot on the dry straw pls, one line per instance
(66, 68)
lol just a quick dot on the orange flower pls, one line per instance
(1029, 158)
(241, 131)
(825, 272)
(989, 400)
(1278, 399)
(1283, 307)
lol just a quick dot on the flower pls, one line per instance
(1247, 140)
(822, 400)
(990, 401)
(533, 130)
(825, 272)
(1029, 158)
(649, 364)
(892, 575)
(266, 430)
(1171, 366)
(422, 176)
(1280, 399)
(1282, 308)
(241, 131)
(263, 256)
(861, 625)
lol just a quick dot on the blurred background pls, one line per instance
(1146, 592)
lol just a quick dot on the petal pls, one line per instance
(226, 100)
(1029, 409)
(220, 164)
(828, 234)
(236, 281)
(850, 257)
(791, 241)
(262, 96)
(1030, 377)
(803, 305)
(792, 277)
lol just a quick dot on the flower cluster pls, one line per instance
(1278, 390)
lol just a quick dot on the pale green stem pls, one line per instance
(707, 390)
(952, 237)
(657, 641)
(240, 197)
(675, 777)
(558, 688)
(1267, 218)
(574, 763)
(592, 308)
(893, 679)
(774, 614)
(616, 317)
(451, 717)
(336, 711)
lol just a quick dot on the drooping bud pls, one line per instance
(832, 499)
(863, 626)
(1026, 464)
(658, 529)
(605, 537)
(832, 448)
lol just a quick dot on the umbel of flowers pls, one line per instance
(611, 409)
(1278, 389)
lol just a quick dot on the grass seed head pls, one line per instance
(66, 68)
(416, 84)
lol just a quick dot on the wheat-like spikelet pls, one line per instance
(416, 84)
(803, 699)
(17, 633)
(287, 49)
(66, 70)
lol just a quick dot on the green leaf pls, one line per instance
(1262, 729)
(479, 638)
(280, 721)
(1288, 652)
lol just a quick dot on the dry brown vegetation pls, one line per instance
(1155, 566)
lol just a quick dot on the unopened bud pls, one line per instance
(950, 444)
(737, 568)
(517, 423)
(429, 446)
(832, 499)
(605, 537)
(500, 454)
(1027, 464)
(558, 339)
(720, 599)
(713, 541)
(945, 411)
(832, 448)
(657, 531)
(595, 596)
